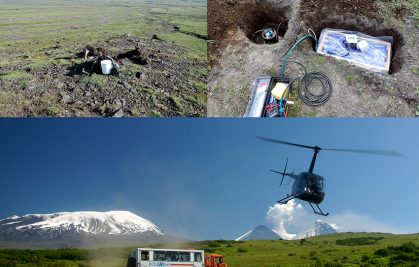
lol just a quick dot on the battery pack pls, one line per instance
(263, 101)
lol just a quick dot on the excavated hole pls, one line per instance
(372, 28)
(137, 55)
(263, 16)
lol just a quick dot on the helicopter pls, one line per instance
(308, 186)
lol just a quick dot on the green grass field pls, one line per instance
(26, 26)
(39, 40)
(346, 249)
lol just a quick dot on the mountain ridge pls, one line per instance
(81, 228)
(262, 232)
(319, 228)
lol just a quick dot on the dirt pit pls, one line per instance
(138, 55)
(262, 17)
(250, 17)
(371, 25)
(237, 59)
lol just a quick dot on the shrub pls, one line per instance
(364, 258)
(383, 252)
(318, 263)
(241, 250)
(210, 250)
(408, 247)
(333, 264)
(213, 244)
(358, 241)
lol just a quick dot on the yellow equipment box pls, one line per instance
(280, 90)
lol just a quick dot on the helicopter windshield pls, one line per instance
(318, 183)
(313, 183)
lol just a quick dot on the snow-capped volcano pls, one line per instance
(319, 228)
(262, 232)
(112, 222)
(74, 228)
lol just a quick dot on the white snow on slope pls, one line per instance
(243, 236)
(319, 228)
(11, 223)
(112, 222)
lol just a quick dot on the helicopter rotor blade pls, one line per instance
(285, 143)
(389, 153)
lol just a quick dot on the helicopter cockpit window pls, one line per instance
(320, 183)
(317, 187)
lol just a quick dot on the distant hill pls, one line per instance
(262, 232)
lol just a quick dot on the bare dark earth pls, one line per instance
(237, 58)
(130, 93)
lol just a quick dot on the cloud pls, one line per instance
(351, 221)
(335, 226)
(290, 219)
(282, 215)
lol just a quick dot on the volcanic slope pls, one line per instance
(79, 229)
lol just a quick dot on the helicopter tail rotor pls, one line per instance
(285, 171)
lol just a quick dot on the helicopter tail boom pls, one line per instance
(292, 175)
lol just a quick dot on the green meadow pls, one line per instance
(40, 40)
(27, 26)
(345, 249)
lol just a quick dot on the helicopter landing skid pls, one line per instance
(286, 199)
(315, 211)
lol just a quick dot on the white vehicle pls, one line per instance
(150, 257)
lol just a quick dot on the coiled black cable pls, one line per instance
(305, 90)
(312, 98)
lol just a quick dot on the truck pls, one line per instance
(151, 257)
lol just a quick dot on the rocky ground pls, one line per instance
(237, 57)
(149, 84)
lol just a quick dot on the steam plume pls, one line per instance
(280, 215)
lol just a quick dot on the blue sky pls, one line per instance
(209, 178)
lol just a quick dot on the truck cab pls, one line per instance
(214, 260)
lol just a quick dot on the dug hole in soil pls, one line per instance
(237, 59)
